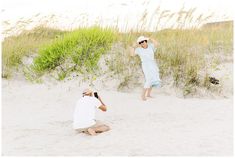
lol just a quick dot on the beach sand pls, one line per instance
(37, 121)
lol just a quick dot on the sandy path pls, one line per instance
(37, 120)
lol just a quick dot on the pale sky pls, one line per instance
(107, 12)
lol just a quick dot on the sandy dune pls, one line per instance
(37, 120)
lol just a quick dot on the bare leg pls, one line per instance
(148, 92)
(91, 131)
(101, 128)
(144, 93)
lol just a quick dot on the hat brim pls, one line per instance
(142, 40)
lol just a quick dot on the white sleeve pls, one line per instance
(136, 51)
(153, 47)
(96, 102)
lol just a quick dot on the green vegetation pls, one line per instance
(14, 48)
(181, 53)
(82, 48)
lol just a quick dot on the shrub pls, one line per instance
(83, 47)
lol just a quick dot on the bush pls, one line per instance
(82, 47)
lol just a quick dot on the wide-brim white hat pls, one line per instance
(142, 38)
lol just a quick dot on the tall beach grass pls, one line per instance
(180, 54)
(14, 48)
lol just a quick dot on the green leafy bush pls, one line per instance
(82, 47)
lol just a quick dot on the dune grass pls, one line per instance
(14, 48)
(180, 54)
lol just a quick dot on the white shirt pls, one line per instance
(84, 114)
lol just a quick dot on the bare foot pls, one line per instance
(91, 132)
(150, 96)
(143, 98)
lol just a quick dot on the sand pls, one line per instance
(37, 121)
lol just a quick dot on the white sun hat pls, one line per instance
(142, 38)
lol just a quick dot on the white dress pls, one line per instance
(149, 66)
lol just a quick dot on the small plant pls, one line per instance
(61, 76)
(206, 81)
(125, 83)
